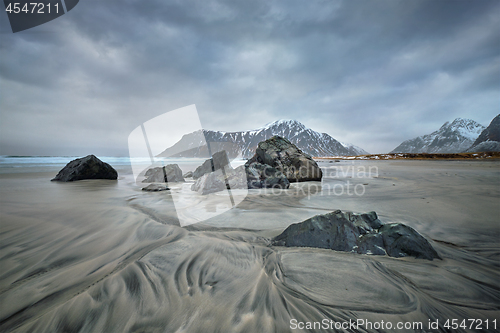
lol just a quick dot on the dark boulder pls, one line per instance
(89, 167)
(168, 173)
(360, 233)
(329, 231)
(218, 161)
(283, 155)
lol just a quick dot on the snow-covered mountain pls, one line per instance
(452, 137)
(244, 143)
(489, 139)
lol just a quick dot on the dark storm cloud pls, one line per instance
(370, 72)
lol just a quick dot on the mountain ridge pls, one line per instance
(244, 143)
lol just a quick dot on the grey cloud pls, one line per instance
(369, 72)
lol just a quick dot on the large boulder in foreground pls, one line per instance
(88, 167)
(168, 173)
(218, 161)
(360, 233)
(283, 155)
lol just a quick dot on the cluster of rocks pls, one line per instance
(360, 233)
(276, 162)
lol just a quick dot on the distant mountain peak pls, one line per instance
(452, 137)
(284, 122)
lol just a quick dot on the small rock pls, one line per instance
(155, 187)
(89, 167)
(372, 219)
(188, 174)
(168, 173)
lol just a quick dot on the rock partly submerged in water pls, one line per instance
(361, 233)
(168, 173)
(218, 161)
(283, 155)
(188, 174)
(88, 167)
(155, 187)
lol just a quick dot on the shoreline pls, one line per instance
(418, 156)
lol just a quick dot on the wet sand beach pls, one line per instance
(104, 256)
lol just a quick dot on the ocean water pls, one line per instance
(104, 256)
(29, 163)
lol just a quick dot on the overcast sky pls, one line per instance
(372, 73)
